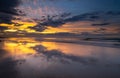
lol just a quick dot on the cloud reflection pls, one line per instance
(29, 57)
(20, 47)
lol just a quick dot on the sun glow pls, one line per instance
(50, 30)
(24, 26)
(20, 46)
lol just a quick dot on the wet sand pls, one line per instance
(53, 58)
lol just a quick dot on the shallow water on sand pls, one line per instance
(33, 58)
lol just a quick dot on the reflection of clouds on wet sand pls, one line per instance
(64, 58)
(19, 47)
(33, 59)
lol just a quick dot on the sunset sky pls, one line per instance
(56, 16)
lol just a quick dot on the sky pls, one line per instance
(60, 16)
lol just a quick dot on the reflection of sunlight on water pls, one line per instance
(72, 49)
(22, 46)
(18, 46)
(42, 58)
(50, 45)
(21, 39)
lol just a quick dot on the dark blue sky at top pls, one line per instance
(82, 6)
(76, 7)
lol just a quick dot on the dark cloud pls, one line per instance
(3, 28)
(59, 20)
(5, 18)
(56, 20)
(7, 6)
(112, 13)
(96, 16)
(102, 24)
(7, 10)
(38, 27)
(53, 21)
(84, 17)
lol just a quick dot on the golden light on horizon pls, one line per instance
(50, 30)
(10, 30)
(10, 26)
(24, 26)
(76, 27)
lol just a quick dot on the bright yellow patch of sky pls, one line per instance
(24, 26)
